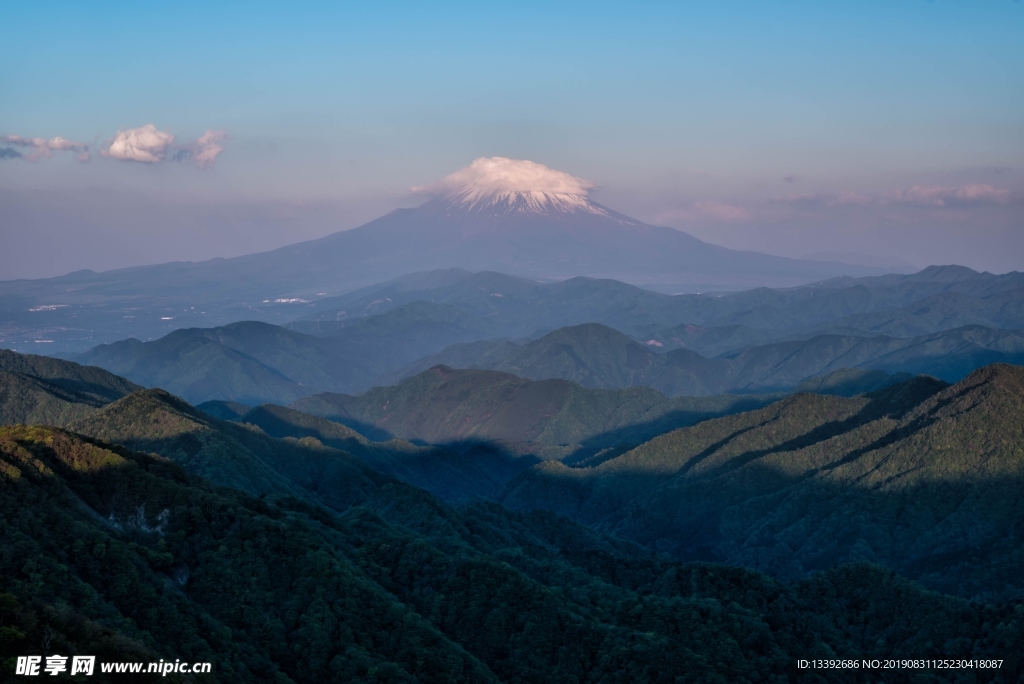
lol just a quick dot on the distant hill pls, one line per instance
(935, 299)
(935, 313)
(600, 357)
(247, 362)
(104, 548)
(254, 363)
(74, 313)
(447, 406)
(921, 477)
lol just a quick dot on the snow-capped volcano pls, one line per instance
(499, 185)
(513, 216)
(524, 218)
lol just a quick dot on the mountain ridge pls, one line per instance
(597, 356)
(919, 476)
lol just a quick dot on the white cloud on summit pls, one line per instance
(489, 176)
(145, 144)
(41, 147)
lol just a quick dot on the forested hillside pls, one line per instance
(445, 406)
(922, 478)
(402, 588)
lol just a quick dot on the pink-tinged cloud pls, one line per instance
(721, 211)
(918, 195)
(715, 211)
(938, 196)
(41, 147)
(840, 199)
(850, 199)
(204, 151)
(145, 144)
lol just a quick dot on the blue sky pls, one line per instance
(784, 127)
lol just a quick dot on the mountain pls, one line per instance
(599, 357)
(247, 362)
(495, 305)
(517, 224)
(38, 389)
(442, 472)
(272, 448)
(253, 363)
(103, 548)
(96, 384)
(29, 400)
(848, 382)
(224, 410)
(920, 477)
(549, 418)
(527, 231)
(230, 454)
(936, 299)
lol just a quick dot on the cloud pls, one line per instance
(41, 147)
(149, 145)
(488, 176)
(938, 196)
(715, 211)
(789, 179)
(918, 195)
(145, 144)
(207, 148)
(203, 151)
(818, 199)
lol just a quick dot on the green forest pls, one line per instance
(147, 529)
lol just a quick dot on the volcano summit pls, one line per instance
(523, 218)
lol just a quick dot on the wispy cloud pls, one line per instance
(204, 151)
(40, 148)
(938, 196)
(918, 195)
(703, 211)
(838, 199)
